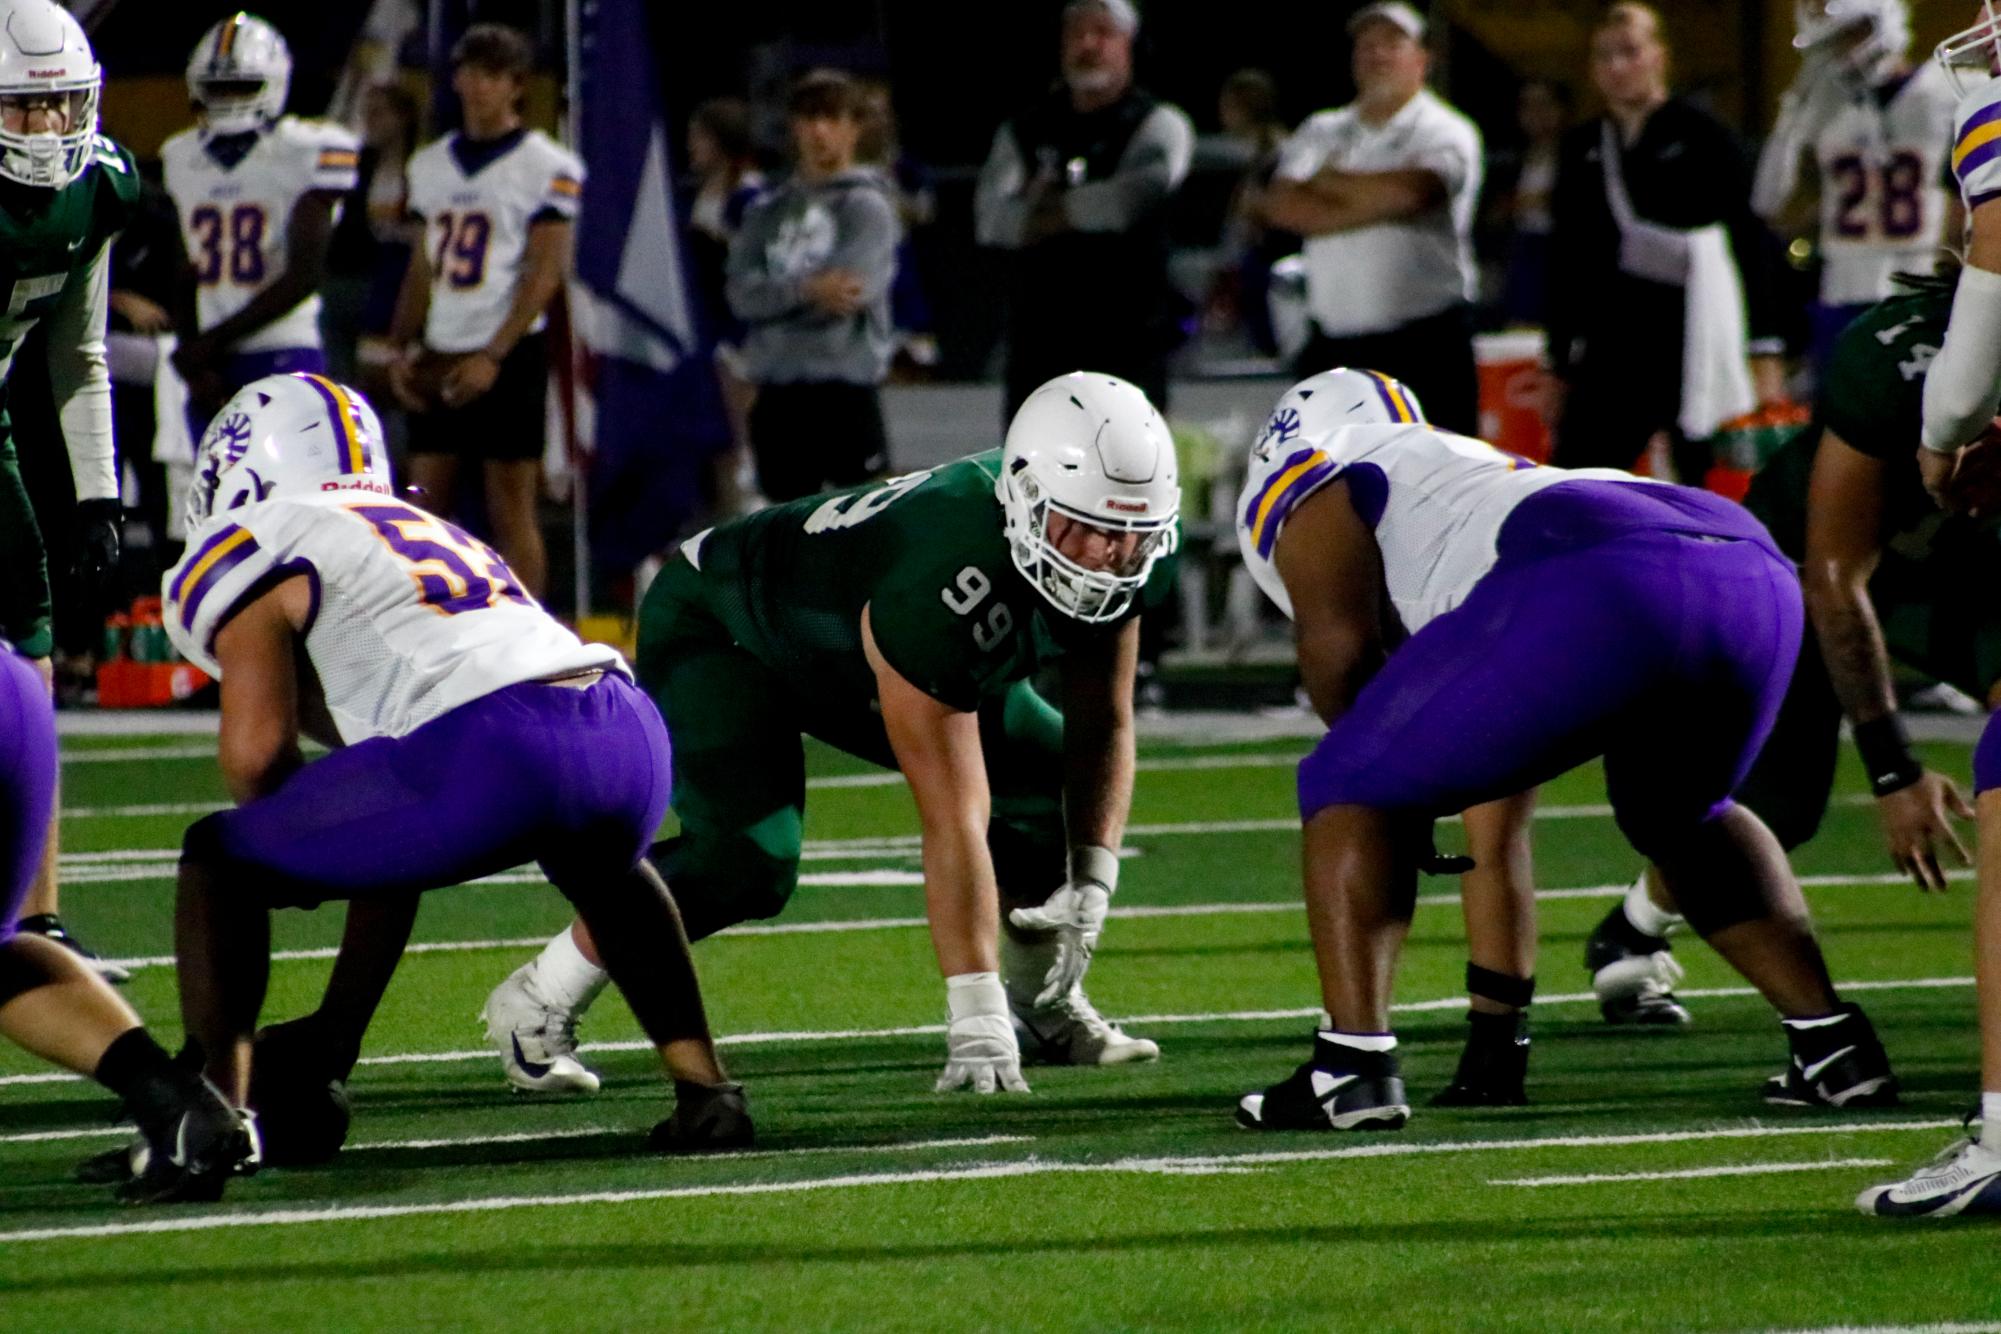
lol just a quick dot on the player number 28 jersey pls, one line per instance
(1882, 197)
(1436, 501)
(235, 213)
(413, 616)
(477, 207)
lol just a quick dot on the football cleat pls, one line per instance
(298, 1088)
(51, 926)
(705, 1120)
(537, 1041)
(191, 1156)
(1836, 1062)
(1494, 1066)
(1965, 1178)
(1633, 974)
(1339, 1089)
(1070, 1031)
(115, 1166)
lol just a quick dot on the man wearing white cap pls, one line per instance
(1383, 189)
(1076, 189)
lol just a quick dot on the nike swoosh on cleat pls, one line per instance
(533, 1069)
(1812, 1072)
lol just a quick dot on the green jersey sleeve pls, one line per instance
(958, 630)
(1872, 393)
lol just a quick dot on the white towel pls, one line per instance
(170, 407)
(1715, 342)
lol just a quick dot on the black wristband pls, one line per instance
(1886, 755)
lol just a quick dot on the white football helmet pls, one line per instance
(1336, 398)
(288, 434)
(45, 57)
(238, 75)
(1821, 24)
(1092, 448)
(1972, 56)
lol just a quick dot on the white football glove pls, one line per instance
(981, 1051)
(1076, 913)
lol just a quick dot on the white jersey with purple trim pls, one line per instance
(1976, 144)
(476, 225)
(235, 216)
(1882, 191)
(412, 616)
(1435, 500)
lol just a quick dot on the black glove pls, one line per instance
(97, 524)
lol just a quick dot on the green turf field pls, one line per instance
(1648, 1187)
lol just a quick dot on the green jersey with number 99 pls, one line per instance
(924, 553)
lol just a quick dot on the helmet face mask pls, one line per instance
(1972, 56)
(287, 435)
(239, 76)
(45, 65)
(1091, 450)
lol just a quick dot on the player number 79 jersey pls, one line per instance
(477, 212)
(412, 617)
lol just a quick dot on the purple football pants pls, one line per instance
(1655, 626)
(27, 781)
(574, 779)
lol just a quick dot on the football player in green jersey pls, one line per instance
(901, 622)
(65, 191)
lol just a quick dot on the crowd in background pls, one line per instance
(1387, 233)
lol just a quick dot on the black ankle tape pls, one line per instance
(1500, 988)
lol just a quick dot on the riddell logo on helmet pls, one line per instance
(1128, 506)
(359, 484)
(47, 73)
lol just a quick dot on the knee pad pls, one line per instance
(1987, 756)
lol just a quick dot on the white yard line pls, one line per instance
(924, 1030)
(1694, 1173)
(1027, 1167)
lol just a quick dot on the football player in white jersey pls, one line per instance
(497, 201)
(471, 733)
(1470, 625)
(1874, 133)
(1962, 393)
(258, 193)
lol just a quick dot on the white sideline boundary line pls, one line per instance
(1984, 1327)
(1026, 1167)
(925, 1030)
(1694, 1173)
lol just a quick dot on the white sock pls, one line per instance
(1024, 964)
(1643, 914)
(1990, 1121)
(565, 978)
(1360, 1041)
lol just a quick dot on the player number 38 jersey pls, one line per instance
(477, 201)
(413, 617)
(1436, 501)
(235, 213)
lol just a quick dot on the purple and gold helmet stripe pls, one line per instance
(1979, 140)
(1302, 473)
(353, 453)
(226, 39)
(1394, 398)
(217, 557)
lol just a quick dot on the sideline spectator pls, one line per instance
(497, 201)
(1652, 226)
(1520, 193)
(723, 158)
(809, 274)
(915, 194)
(1076, 188)
(1247, 106)
(1384, 191)
(371, 243)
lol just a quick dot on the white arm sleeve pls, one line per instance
(1963, 386)
(81, 379)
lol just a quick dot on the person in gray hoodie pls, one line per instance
(809, 275)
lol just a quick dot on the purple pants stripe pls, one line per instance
(1661, 648)
(576, 780)
(27, 781)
